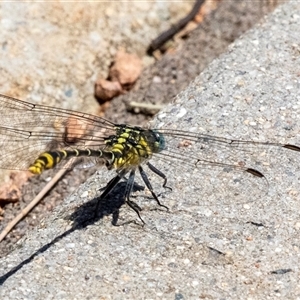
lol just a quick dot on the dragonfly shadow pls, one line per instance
(82, 217)
(86, 214)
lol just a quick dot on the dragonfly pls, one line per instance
(37, 138)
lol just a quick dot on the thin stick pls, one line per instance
(148, 108)
(168, 34)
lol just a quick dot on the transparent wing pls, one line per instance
(215, 184)
(27, 130)
(209, 144)
(220, 171)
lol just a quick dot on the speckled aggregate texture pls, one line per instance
(238, 251)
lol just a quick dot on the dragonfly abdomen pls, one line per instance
(50, 159)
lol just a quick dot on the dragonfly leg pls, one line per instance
(128, 190)
(149, 186)
(160, 174)
(109, 187)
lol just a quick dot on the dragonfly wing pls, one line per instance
(216, 179)
(27, 130)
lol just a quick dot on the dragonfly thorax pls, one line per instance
(131, 146)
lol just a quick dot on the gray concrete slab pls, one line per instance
(208, 245)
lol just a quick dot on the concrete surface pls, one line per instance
(201, 248)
